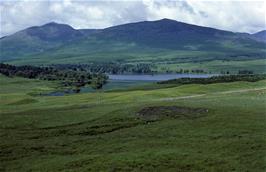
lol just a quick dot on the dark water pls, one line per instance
(159, 77)
(126, 81)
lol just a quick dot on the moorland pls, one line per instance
(214, 123)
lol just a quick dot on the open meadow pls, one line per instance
(212, 127)
(132, 86)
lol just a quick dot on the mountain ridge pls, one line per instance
(261, 35)
(163, 19)
(165, 34)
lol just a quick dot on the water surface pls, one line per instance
(157, 77)
(126, 81)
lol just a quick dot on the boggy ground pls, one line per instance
(162, 112)
(216, 127)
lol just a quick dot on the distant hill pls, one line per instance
(164, 33)
(89, 32)
(260, 35)
(37, 39)
(171, 34)
(142, 41)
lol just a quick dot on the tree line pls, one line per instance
(216, 79)
(68, 77)
(138, 68)
(111, 68)
(122, 68)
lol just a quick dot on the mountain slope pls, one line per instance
(170, 34)
(260, 35)
(37, 39)
(163, 39)
(163, 33)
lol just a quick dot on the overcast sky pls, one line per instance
(238, 16)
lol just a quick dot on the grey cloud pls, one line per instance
(230, 15)
(186, 6)
(203, 14)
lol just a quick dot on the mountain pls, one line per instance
(53, 32)
(163, 33)
(154, 40)
(260, 35)
(89, 32)
(37, 39)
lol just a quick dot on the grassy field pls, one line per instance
(217, 66)
(215, 127)
(162, 60)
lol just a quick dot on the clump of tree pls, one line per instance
(110, 67)
(98, 81)
(245, 72)
(186, 71)
(216, 79)
(69, 77)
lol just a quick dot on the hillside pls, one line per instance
(168, 34)
(153, 42)
(37, 39)
(260, 35)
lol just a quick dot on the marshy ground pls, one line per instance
(162, 129)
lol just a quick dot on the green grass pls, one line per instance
(209, 60)
(102, 131)
(216, 66)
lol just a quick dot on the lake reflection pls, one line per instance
(126, 81)
(158, 77)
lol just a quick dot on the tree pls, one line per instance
(98, 81)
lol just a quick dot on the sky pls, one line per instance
(234, 15)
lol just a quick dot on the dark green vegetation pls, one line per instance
(68, 77)
(211, 127)
(155, 113)
(216, 79)
(164, 45)
(111, 68)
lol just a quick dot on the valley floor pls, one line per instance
(215, 127)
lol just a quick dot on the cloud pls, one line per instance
(240, 16)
